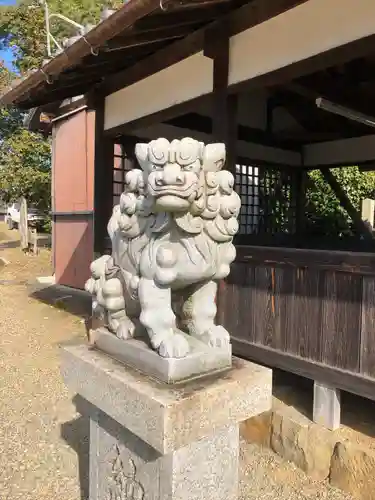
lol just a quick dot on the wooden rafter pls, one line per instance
(147, 37)
(337, 89)
(186, 18)
(186, 5)
(311, 118)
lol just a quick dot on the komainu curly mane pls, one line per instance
(172, 230)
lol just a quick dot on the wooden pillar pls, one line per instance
(224, 113)
(368, 211)
(362, 228)
(103, 178)
(224, 105)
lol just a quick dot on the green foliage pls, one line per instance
(10, 118)
(22, 26)
(25, 169)
(25, 157)
(325, 216)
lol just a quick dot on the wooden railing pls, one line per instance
(312, 305)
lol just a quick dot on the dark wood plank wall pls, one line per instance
(317, 306)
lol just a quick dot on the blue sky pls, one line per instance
(7, 55)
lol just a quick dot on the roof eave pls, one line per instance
(131, 12)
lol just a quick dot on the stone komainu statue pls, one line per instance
(171, 242)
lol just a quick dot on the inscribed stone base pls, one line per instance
(123, 464)
(153, 441)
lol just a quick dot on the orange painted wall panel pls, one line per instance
(73, 191)
(74, 243)
(90, 158)
(74, 163)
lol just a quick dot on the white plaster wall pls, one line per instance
(344, 151)
(244, 149)
(308, 29)
(181, 82)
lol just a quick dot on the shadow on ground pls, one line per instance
(76, 433)
(9, 244)
(73, 301)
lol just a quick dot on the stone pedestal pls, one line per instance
(153, 441)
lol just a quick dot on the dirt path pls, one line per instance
(35, 408)
(40, 431)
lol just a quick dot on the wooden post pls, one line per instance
(224, 105)
(345, 202)
(326, 406)
(224, 112)
(103, 178)
(368, 211)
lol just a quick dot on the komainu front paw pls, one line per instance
(175, 346)
(216, 336)
(126, 329)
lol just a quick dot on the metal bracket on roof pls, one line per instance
(162, 6)
(49, 79)
(47, 18)
(94, 52)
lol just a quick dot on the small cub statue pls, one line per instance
(171, 242)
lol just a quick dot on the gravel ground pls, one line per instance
(266, 476)
(41, 435)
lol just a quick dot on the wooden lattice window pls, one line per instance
(268, 199)
(122, 164)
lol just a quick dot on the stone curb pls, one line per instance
(315, 450)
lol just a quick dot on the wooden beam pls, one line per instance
(345, 202)
(341, 379)
(186, 5)
(147, 37)
(200, 123)
(155, 118)
(300, 102)
(323, 85)
(185, 18)
(341, 152)
(245, 17)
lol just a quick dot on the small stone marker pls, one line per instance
(23, 225)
